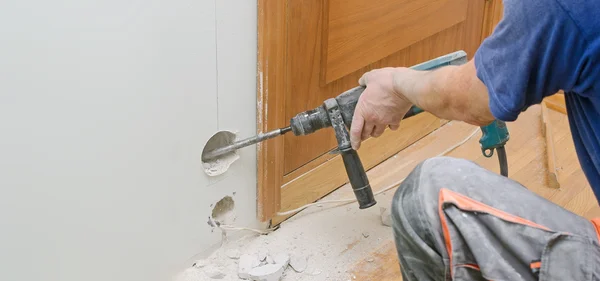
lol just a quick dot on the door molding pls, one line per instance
(270, 104)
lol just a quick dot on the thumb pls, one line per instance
(363, 79)
(358, 121)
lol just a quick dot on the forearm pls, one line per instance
(452, 92)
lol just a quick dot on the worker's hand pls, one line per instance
(380, 105)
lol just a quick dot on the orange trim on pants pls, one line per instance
(467, 204)
(596, 223)
(469, 265)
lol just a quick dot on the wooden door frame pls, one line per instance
(271, 81)
(270, 106)
(492, 14)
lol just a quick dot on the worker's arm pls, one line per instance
(452, 92)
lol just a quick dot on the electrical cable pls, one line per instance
(227, 227)
(501, 152)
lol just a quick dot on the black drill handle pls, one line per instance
(358, 178)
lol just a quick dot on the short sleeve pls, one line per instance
(531, 54)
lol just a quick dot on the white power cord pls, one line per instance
(391, 186)
(227, 227)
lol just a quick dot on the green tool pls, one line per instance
(495, 136)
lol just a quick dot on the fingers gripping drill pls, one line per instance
(338, 112)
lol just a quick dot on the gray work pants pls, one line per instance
(454, 220)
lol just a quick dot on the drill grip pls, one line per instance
(358, 178)
(347, 102)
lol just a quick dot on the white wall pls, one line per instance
(105, 106)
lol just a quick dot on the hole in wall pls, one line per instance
(223, 212)
(220, 165)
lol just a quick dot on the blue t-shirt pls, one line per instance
(539, 48)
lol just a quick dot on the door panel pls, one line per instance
(321, 48)
(392, 26)
(311, 42)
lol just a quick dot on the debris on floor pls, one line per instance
(214, 272)
(386, 216)
(282, 258)
(200, 263)
(233, 254)
(262, 254)
(256, 267)
(246, 264)
(267, 272)
(319, 244)
(298, 263)
(269, 259)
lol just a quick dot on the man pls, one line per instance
(454, 220)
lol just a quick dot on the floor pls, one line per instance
(344, 243)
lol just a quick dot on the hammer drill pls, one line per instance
(338, 112)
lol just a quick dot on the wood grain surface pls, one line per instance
(294, 49)
(362, 32)
(494, 10)
(547, 132)
(270, 108)
(556, 102)
(307, 51)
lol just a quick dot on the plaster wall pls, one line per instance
(105, 107)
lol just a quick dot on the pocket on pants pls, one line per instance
(568, 257)
(484, 243)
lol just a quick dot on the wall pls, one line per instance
(104, 110)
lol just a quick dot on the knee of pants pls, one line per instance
(416, 200)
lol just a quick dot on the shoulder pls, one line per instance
(580, 13)
(584, 13)
(534, 10)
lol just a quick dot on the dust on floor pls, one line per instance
(330, 239)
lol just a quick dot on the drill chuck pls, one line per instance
(308, 122)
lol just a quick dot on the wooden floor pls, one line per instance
(527, 165)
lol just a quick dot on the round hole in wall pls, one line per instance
(223, 212)
(220, 165)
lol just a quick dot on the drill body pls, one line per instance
(338, 113)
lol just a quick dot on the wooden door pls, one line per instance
(311, 50)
